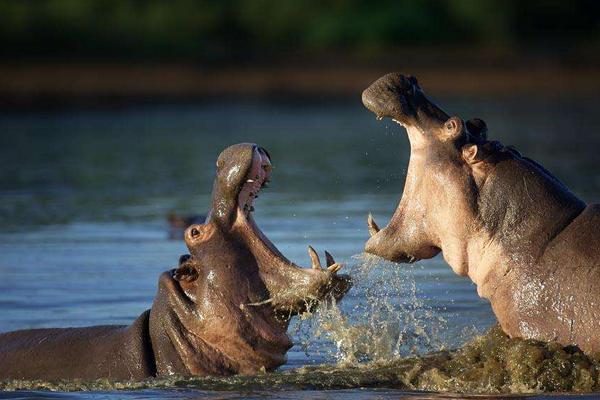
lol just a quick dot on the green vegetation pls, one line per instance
(257, 29)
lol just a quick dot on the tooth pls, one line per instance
(333, 268)
(373, 228)
(250, 181)
(379, 118)
(314, 258)
(329, 259)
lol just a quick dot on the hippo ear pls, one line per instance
(452, 129)
(470, 153)
(477, 128)
(185, 273)
(413, 81)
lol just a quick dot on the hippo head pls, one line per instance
(440, 193)
(234, 294)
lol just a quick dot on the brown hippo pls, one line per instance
(529, 244)
(224, 310)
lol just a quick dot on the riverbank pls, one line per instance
(24, 86)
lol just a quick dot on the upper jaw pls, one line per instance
(400, 97)
(388, 97)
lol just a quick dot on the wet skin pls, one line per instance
(528, 243)
(224, 310)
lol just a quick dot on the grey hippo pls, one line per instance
(528, 243)
(224, 310)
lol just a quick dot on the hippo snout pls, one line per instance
(380, 245)
(400, 97)
(389, 96)
(386, 244)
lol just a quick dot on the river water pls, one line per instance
(83, 237)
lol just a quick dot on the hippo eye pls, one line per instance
(195, 232)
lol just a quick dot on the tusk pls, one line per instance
(329, 259)
(333, 268)
(250, 181)
(314, 258)
(260, 303)
(373, 228)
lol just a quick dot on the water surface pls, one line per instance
(84, 195)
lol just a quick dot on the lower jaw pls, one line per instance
(259, 245)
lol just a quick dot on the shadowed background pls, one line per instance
(56, 52)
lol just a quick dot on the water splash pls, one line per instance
(387, 336)
(492, 363)
(387, 317)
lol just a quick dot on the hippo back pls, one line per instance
(547, 281)
(111, 351)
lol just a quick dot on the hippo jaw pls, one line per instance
(206, 333)
(228, 305)
(400, 97)
(389, 243)
(242, 171)
(293, 290)
(433, 137)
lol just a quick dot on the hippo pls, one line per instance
(529, 244)
(224, 310)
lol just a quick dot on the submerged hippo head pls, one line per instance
(230, 301)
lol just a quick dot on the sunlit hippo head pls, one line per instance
(234, 294)
(500, 218)
(439, 180)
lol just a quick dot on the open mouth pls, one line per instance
(243, 170)
(257, 178)
(287, 281)
(400, 98)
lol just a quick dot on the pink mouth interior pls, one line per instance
(258, 176)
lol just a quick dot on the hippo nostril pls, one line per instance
(195, 232)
